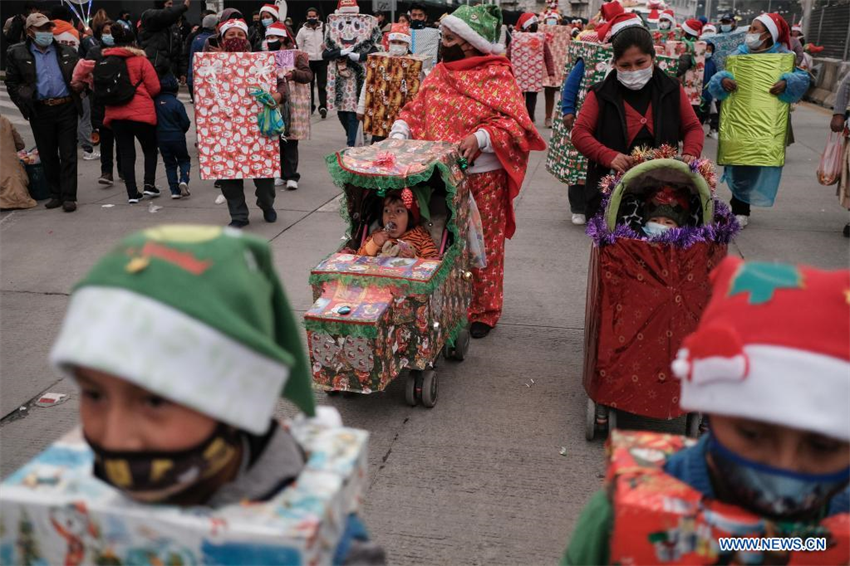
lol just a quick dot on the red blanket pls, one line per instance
(461, 97)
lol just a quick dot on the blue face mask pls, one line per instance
(655, 229)
(773, 492)
(708, 54)
(725, 28)
(107, 40)
(267, 22)
(43, 38)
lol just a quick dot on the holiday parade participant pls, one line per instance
(667, 30)
(346, 48)
(728, 24)
(754, 185)
(234, 39)
(636, 105)
(190, 425)
(769, 366)
(691, 30)
(279, 38)
(399, 231)
(268, 16)
(471, 98)
(529, 24)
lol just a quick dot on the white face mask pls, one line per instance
(654, 229)
(664, 25)
(635, 80)
(753, 41)
(398, 50)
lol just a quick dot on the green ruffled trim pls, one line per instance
(341, 328)
(452, 337)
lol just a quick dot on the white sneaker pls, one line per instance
(278, 182)
(742, 220)
(184, 189)
(220, 199)
(712, 134)
(291, 185)
(176, 196)
(91, 155)
(579, 219)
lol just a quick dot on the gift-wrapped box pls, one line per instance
(54, 511)
(230, 145)
(753, 122)
(357, 32)
(527, 60)
(300, 103)
(558, 39)
(350, 30)
(391, 82)
(726, 44)
(426, 42)
(692, 81)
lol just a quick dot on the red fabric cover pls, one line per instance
(141, 108)
(460, 97)
(643, 299)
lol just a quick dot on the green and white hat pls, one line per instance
(195, 314)
(479, 25)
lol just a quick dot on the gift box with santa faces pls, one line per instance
(693, 79)
(54, 511)
(391, 82)
(528, 61)
(230, 145)
(558, 39)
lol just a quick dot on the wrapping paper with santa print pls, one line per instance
(391, 82)
(643, 299)
(299, 93)
(693, 79)
(426, 42)
(527, 61)
(230, 145)
(558, 39)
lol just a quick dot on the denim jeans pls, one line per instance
(350, 123)
(174, 156)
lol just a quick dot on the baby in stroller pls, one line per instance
(399, 232)
(667, 207)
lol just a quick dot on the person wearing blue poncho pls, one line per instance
(751, 185)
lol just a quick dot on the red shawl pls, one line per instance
(461, 97)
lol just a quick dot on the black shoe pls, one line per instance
(238, 224)
(479, 330)
(106, 179)
(323, 112)
(270, 215)
(53, 203)
(136, 199)
(847, 230)
(69, 206)
(151, 191)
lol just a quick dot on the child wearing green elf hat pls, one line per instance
(182, 340)
(769, 365)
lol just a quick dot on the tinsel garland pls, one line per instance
(702, 166)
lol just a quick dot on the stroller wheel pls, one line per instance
(461, 345)
(331, 393)
(692, 422)
(410, 389)
(428, 394)
(612, 419)
(590, 420)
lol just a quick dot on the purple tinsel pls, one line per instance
(724, 228)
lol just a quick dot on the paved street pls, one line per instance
(480, 478)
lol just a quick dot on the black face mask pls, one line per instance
(273, 45)
(453, 53)
(312, 22)
(533, 28)
(417, 24)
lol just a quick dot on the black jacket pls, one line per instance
(98, 111)
(160, 37)
(172, 122)
(21, 75)
(611, 124)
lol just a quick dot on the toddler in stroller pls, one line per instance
(399, 232)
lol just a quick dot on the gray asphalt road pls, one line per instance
(480, 478)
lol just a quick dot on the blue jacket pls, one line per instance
(172, 122)
(797, 82)
(571, 88)
(197, 45)
(710, 70)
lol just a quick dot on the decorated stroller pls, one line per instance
(374, 317)
(645, 295)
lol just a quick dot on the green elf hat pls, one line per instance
(479, 25)
(195, 314)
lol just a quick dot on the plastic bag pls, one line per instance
(829, 170)
(269, 119)
(359, 140)
(475, 237)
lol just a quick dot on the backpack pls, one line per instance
(112, 86)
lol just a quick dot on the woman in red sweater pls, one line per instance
(637, 104)
(137, 118)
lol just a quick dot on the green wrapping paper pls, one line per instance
(753, 122)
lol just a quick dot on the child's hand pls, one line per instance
(778, 87)
(407, 251)
(380, 238)
(729, 85)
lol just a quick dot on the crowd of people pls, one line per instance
(776, 442)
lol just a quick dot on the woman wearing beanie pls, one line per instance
(769, 368)
(135, 120)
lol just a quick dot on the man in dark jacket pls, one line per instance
(38, 79)
(160, 37)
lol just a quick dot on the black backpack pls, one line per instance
(112, 86)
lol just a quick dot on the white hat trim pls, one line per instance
(270, 10)
(460, 27)
(784, 386)
(668, 17)
(170, 353)
(229, 24)
(770, 25)
(531, 21)
(689, 29)
(400, 37)
(277, 32)
(620, 26)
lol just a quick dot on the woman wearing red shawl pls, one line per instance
(471, 98)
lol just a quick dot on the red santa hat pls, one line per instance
(773, 345)
(693, 27)
(347, 7)
(778, 28)
(709, 29)
(610, 10)
(400, 32)
(797, 27)
(271, 9)
(669, 16)
(229, 24)
(654, 7)
(620, 22)
(279, 29)
(526, 21)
